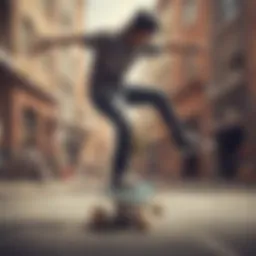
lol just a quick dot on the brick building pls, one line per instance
(212, 90)
(40, 94)
(70, 80)
(153, 73)
(250, 49)
(229, 91)
(188, 24)
(232, 89)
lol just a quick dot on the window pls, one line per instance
(27, 33)
(190, 9)
(30, 127)
(166, 20)
(229, 9)
(66, 20)
(163, 4)
(48, 7)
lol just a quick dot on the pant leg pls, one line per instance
(123, 147)
(158, 100)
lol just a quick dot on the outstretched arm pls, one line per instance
(66, 40)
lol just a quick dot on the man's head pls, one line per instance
(141, 28)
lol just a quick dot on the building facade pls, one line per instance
(212, 91)
(250, 48)
(228, 92)
(188, 24)
(232, 91)
(41, 93)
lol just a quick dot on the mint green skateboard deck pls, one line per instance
(137, 194)
(129, 212)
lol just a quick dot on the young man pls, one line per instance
(114, 55)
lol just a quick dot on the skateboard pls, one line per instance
(131, 208)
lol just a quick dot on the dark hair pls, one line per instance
(143, 21)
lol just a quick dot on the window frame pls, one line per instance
(27, 33)
(226, 14)
(187, 9)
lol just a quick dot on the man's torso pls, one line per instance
(113, 58)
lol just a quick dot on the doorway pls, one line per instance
(191, 164)
(230, 142)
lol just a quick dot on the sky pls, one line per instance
(111, 14)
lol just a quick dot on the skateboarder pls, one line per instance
(114, 55)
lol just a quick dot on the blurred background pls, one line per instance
(49, 128)
(50, 133)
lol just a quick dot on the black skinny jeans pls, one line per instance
(105, 102)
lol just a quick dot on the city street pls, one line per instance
(94, 92)
(51, 220)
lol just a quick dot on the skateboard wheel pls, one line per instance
(99, 219)
(141, 223)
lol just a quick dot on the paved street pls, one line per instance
(50, 220)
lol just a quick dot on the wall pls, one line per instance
(188, 81)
